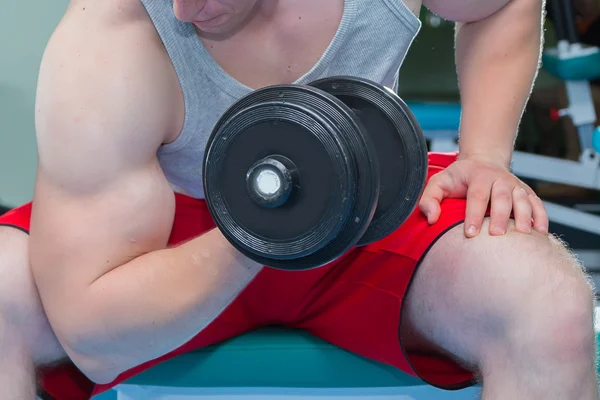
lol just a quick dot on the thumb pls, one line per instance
(436, 190)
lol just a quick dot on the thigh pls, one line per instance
(17, 290)
(467, 293)
(20, 304)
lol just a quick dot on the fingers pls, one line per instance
(501, 207)
(538, 211)
(506, 199)
(524, 205)
(478, 198)
(522, 210)
(431, 209)
(435, 191)
(540, 215)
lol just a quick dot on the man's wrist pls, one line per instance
(491, 156)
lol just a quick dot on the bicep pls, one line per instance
(78, 237)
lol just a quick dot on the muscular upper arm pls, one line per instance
(465, 10)
(104, 106)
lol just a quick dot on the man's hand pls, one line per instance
(482, 182)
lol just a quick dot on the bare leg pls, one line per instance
(17, 372)
(26, 340)
(517, 309)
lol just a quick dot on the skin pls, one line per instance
(97, 141)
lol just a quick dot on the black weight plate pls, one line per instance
(332, 203)
(400, 145)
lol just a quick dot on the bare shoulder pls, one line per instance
(414, 6)
(108, 11)
(106, 58)
(466, 10)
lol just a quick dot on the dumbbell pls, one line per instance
(297, 175)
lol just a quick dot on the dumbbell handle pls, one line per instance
(271, 180)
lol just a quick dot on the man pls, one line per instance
(130, 274)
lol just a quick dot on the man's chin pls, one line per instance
(220, 24)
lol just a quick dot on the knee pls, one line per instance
(553, 305)
(527, 290)
(492, 296)
(566, 327)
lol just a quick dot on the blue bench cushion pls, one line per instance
(275, 358)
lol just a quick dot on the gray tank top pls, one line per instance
(371, 42)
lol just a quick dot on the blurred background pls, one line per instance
(427, 78)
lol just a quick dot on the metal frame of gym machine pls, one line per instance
(571, 61)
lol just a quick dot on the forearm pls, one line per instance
(497, 62)
(157, 302)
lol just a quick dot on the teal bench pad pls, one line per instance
(274, 358)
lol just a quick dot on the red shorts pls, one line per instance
(354, 302)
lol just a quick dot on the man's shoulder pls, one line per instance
(113, 12)
(116, 43)
(122, 27)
